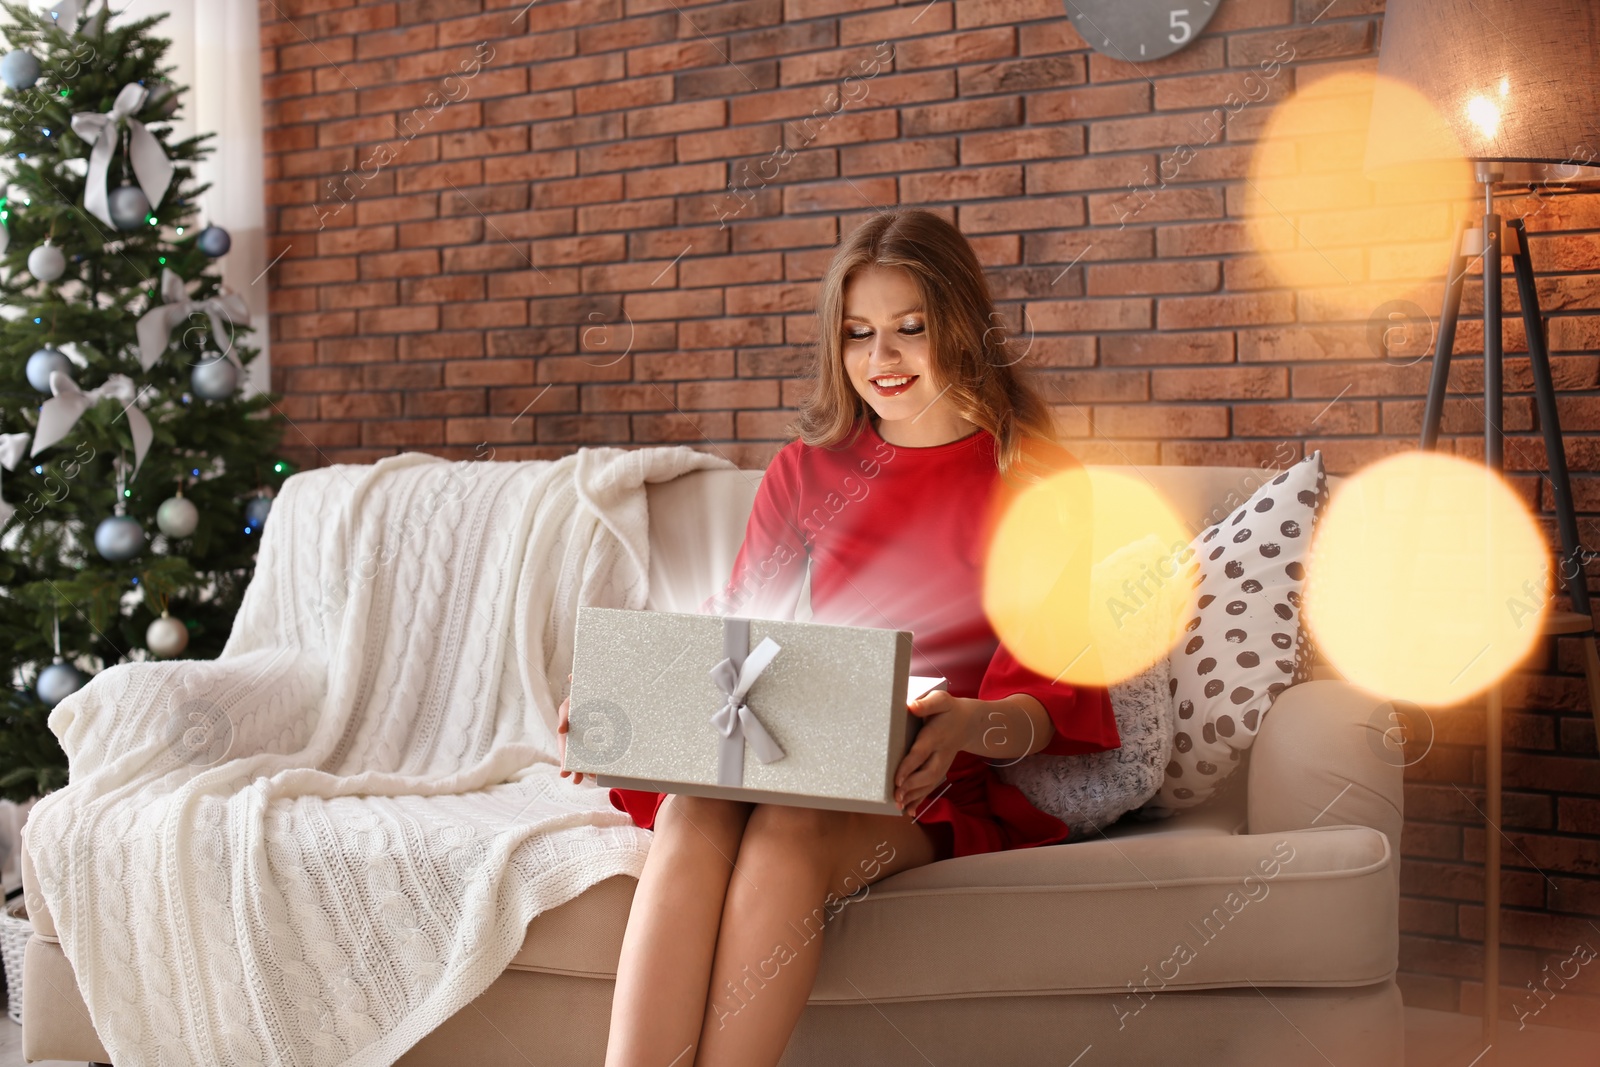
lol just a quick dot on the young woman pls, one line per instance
(919, 431)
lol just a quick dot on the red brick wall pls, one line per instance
(516, 229)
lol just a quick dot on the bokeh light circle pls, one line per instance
(1347, 238)
(1087, 575)
(1428, 579)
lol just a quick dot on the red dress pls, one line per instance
(895, 537)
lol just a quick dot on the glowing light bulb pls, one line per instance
(1484, 115)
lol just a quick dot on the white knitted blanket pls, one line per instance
(318, 847)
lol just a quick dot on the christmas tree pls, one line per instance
(135, 474)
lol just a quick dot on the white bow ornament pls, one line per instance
(13, 446)
(59, 414)
(155, 325)
(150, 163)
(65, 14)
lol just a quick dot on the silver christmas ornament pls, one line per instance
(256, 510)
(42, 363)
(128, 206)
(167, 637)
(19, 70)
(163, 99)
(46, 262)
(119, 538)
(177, 516)
(59, 681)
(215, 379)
(214, 241)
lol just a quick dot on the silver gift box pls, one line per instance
(761, 710)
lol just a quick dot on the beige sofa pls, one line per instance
(1036, 956)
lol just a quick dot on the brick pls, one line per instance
(1055, 212)
(677, 118)
(1323, 41)
(619, 397)
(352, 350)
(724, 333)
(782, 40)
(1081, 315)
(1079, 175)
(1216, 383)
(949, 49)
(965, 184)
(1167, 347)
(962, 115)
(1125, 279)
(898, 157)
(682, 427)
(584, 429)
(1296, 420)
(1159, 421)
(1022, 75)
(1253, 309)
(1010, 145)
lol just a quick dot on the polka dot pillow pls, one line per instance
(1244, 642)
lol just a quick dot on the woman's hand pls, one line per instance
(561, 731)
(947, 729)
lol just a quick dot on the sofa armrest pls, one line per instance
(43, 923)
(1326, 755)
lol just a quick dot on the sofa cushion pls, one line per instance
(1187, 902)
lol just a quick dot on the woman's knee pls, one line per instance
(703, 820)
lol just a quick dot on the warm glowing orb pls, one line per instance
(1346, 238)
(1428, 579)
(1085, 579)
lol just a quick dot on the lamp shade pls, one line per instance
(1510, 83)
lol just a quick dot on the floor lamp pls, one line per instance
(1512, 88)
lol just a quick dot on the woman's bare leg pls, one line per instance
(665, 968)
(800, 863)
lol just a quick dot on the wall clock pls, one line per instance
(1137, 31)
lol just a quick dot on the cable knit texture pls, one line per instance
(321, 845)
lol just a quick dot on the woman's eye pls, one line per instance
(858, 336)
(914, 328)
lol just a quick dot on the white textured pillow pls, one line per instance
(1245, 641)
(1093, 790)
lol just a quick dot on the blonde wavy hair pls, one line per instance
(971, 350)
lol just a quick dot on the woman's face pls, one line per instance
(885, 340)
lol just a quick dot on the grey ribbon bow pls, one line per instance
(156, 325)
(735, 721)
(59, 414)
(13, 446)
(150, 163)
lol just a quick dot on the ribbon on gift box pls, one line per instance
(13, 446)
(735, 721)
(155, 326)
(59, 414)
(151, 166)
